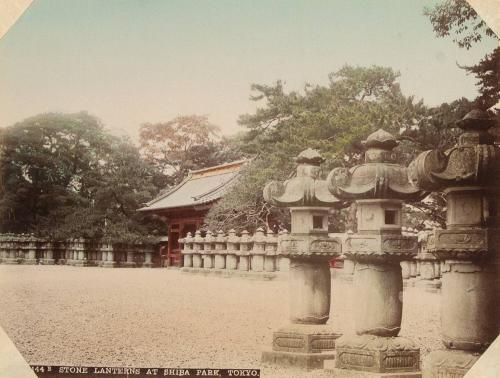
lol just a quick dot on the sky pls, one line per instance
(134, 61)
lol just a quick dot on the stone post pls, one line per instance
(81, 253)
(10, 250)
(220, 250)
(148, 256)
(48, 252)
(59, 250)
(70, 252)
(283, 261)
(22, 248)
(30, 250)
(427, 266)
(187, 251)
(208, 244)
(306, 341)
(271, 248)
(258, 251)
(405, 269)
(108, 256)
(232, 250)
(379, 188)
(469, 176)
(197, 250)
(244, 253)
(130, 262)
(3, 254)
(102, 253)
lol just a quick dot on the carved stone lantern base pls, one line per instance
(376, 356)
(449, 363)
(302, 345)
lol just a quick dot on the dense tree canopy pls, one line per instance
(333, 119)
(65, 176)
(182, 144)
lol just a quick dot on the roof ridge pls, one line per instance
(224, 165)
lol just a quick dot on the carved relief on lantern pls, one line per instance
(469, 176)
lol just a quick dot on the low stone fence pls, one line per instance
(260, 253)
(230, 252)
(27, 249)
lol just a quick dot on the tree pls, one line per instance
(63, 176)
(458, 18)
(332, 119)
(487, 71)
(182, 144)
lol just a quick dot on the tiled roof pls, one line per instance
(199, 187)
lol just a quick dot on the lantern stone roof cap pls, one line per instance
(380, 139)
(476, 119)
(310, 156)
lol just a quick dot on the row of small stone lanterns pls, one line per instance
(256, 253)
(469, 175)
(27, 249)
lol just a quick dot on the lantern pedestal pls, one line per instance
(302, 345)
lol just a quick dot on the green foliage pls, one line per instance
(458, 18)
(243, 207)
(182, 144)
(487, 72)
(64, 176)
(332, 119)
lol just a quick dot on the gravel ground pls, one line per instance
(62, 315)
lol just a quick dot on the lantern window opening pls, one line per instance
(391, 216)
(318, 222)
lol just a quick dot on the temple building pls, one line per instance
(186, 205)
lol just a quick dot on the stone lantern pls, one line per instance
(469, 176)
(208, 258)
(379, 187)
(307, 341)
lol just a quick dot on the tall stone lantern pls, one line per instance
(379, 187)
(307, 341)
(469, 175)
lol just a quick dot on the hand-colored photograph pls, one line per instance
(232, 188)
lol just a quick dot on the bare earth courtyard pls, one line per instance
(63, 315)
